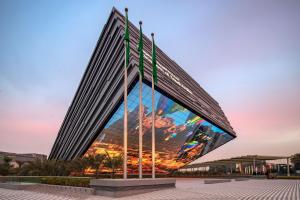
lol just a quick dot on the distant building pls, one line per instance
(19, 159)
(250, 164)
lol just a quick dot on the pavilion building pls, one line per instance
(189, 122)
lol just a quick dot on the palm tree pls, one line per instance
(78, 165)
(95, 162)
(99, 159)
(58, 167)
(113, 162)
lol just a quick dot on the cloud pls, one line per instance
(27, 126)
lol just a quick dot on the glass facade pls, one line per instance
(181, 135)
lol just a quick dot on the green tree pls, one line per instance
(113, 162)
(56, 168)
(295, 158)
(5, 167)
(62, 168)
(78, 165)
(45, 167)
(33, 168)
(95, 162)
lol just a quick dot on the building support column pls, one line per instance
(254, 166)
(288, 166)
(240, 168)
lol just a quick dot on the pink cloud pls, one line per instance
(29, 128)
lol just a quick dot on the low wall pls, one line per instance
(81, 190)
(127, 187)
(213, 181)
(46, 187)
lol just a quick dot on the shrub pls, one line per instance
(5, 167)
(29, 179)
(67, 181)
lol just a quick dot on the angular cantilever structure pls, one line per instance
(190, 123)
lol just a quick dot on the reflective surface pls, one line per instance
(181, 136)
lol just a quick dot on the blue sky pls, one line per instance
(246, 54)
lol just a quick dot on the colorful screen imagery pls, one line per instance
(181, 135)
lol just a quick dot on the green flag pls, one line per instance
(154, 66)
(126, 38)
(141, 52)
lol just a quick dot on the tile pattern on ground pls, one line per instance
(190, 189)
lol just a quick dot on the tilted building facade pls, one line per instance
(189, 122)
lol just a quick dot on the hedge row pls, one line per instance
(28, 179)
(67, 181)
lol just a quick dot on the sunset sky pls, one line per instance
(245, 54)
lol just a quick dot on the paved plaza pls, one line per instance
(188, 189)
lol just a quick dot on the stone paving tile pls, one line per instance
(189, 189)
(28, 195)
(57, 192)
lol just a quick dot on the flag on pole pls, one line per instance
(126, 38)
(154, 66)
(126, 64)
(141, 69)
(141, 52)
(154, 81)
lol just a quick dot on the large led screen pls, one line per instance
(181, 135)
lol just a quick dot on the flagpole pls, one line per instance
(153, 131)
(125, 108)
(140, 132)
(153, 123)
(140, 121)
(125, 118)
